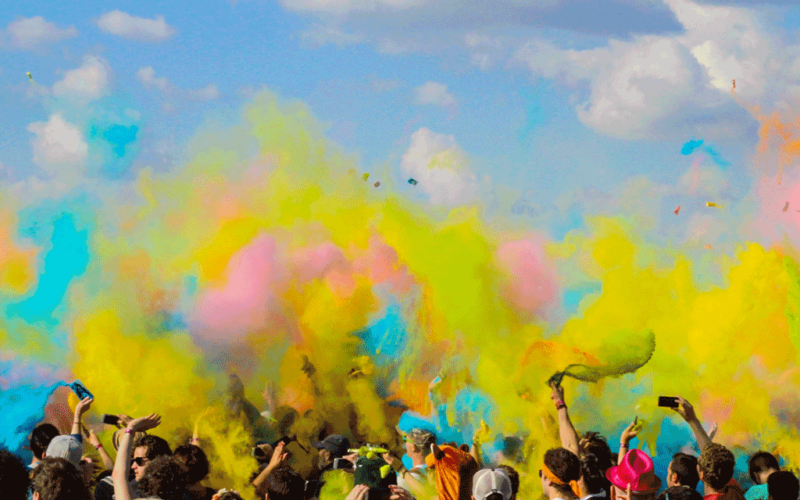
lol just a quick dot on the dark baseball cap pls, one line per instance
(336, 444)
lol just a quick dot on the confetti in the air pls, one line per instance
(677, 209)
(412, 182)
(786, 207)
(708, 247)
(377, 184)
(365, 177)
(711, 204)
(29, 77)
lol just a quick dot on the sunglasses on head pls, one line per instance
(140, 461)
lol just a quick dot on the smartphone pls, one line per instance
(81, 391)
(668, 401)
(378, 494)
(110, 419)
(342, 464)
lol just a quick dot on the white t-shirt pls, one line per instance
(419, 473)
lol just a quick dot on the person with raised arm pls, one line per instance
(686, 410)
(164, 477)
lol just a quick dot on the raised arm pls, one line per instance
(566, 431)
(81, 408)
(278, 459)
(629, 433)
(686, 410)
(119, 475)
(95, 441)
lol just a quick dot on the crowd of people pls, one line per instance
(584, 467)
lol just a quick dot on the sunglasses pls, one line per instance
(140, 461)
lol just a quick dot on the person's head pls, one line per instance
(285, 484)
(147, 449)
(333, 446)
(560, 472)
(594, 477)
(14, 481)
(636, 470)
(597, 445)
(782, 485)
(679, 493)
(58, 479)
(513, 475)
(41, 437)
(491, 484)
(195, 460)
(418, 442)
(682, 471)
(715, 466)
(164, 477)
(762, 464)
(117, 437)
(66, 447)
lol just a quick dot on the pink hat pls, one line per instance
(635, 469)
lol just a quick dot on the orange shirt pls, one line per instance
(453, 473)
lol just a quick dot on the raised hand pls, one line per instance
(82, 407)
(358, 493)
(557, 393)
(399, 493)
(685, 410)
(143, 424)
(278, 457)
(631, 431)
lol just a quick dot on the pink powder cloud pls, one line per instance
(532, 282)
(244, 305)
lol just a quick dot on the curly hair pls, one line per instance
(196, 462)
(762, 462)
(228, 495)
(716, 463)
(597, 445)
(41, 437)
(564, 464)
(156, 446)
(593, 475)
(165, 478)
(58, 479)
(14, 481)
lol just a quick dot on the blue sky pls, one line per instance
(549, 97)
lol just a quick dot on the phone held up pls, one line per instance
(668, 402)
(110, 419)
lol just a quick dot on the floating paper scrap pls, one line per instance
(412, 182)
(377, 184)
(711, 204)
(786, 207)
(678, 209)
(365, 177)
(29, 77)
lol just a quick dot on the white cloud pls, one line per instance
(147, 76)
(59, 147)
(319, 35)
(434, 93)
(135, 28)
(88, 82)
(207, 93)
(32, 32)
(676, 85)
(440, 168)
(149, 79)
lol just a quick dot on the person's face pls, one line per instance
(139, 462)
(324, 458)
(670, 482)
(409, 446)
